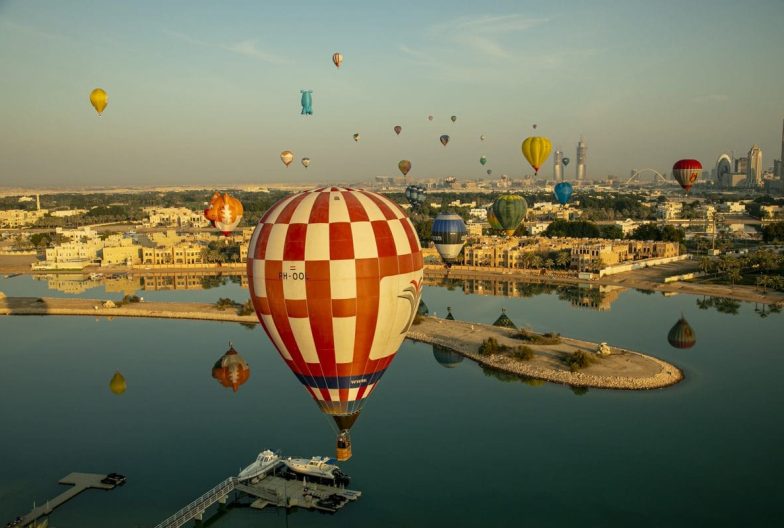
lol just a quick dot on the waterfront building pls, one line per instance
(558, 165)
(126, 254)
(65, 213)
(184, 253)
(582, 153)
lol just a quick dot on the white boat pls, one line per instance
(266, 461)
(318, 468)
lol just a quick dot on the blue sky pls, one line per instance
(208, 92)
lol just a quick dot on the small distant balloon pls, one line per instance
(231, 369)
(483, 160)
(117, 384)
(535, 125)
(429, 118)
(444, 139)
(398, 128)
(307, 102)
(489, 172)
(337, 59)
(306, 162)
(681, 335)
(404, 166)
(482, 137)
(686, 172)
(287, 157)
(99, 99)
(356, 137)
(565, 161)
(453, 118)
(563, 191)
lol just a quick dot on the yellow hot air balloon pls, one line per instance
(99, 100)
(286, 157)
(117, 385)
(536, 149)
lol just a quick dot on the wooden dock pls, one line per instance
(78, 482)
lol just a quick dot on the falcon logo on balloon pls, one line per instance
(411, 294)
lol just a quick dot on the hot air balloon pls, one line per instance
(337, 59)
(429, 118)
(211, 213)
(535, 125)
(444, 139)
(415, 194)
(453, 118)
(448, 234)
(565, 161)
(117, 384)
(446, 357)
(335, 276)
(287, 157)
(492, 220)
(398, 128)
(686, 172)
(99, 99)
(681, 334)
(536, 149)
(307, 102)
(510, 210)
(489, 172)
(563, 191)
(483, 160)
(228, 213)
(231, 370)
(404, 166)
(306, 162)
(482, 137)
(356, 137)
(503, 321)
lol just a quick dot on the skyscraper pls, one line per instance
(582, 152)
(558, 165)
(754, 168)
(781, 158)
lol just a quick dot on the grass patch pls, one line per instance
(491, 346)
(578, 360)
(550, 338)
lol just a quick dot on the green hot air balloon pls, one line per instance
(483, 160)
(510, 210)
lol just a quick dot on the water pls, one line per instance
(434, 446)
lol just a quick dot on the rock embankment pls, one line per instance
(622, 369)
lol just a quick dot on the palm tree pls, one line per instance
(763, 281)
(548, 263)
(563, 259)
(536, 261)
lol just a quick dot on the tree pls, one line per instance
(613, 232)
(773, 233)
(563, 258)
(657, 233)
(576, 229)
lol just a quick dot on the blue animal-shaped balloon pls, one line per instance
(307, 102)
(563, 191)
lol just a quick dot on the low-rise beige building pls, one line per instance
(13, 218)
(184, 253)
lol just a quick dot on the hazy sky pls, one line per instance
(208, 92)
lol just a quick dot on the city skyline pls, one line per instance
(210, 94)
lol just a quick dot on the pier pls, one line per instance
(78, 482)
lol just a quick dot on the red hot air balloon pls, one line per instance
(231, 370)
(686, 172)
(335, 277)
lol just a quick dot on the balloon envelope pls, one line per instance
(563, 191)
(686, 172)
(453, 118)
(398, 128)
(306, 162)
(335, 276)
(444, 139)
(565, 161)
(337, 59)
(227, 211)
(536, 149)
(489, 172)
(415, 194)
(681, 335)
(510, 210)
(483, 160)
(356, 137)
(492, 220)
(287, 157)
(231, 370)
(99, 99)
(429, 118)
(117, 384)
(404, 166)
(482, 137)
(448, 234)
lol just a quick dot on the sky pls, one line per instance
(208, 92)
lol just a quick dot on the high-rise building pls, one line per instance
(582, 152)
(754, 167)
(558, 165)
(781, 158)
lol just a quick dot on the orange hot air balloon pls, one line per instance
(228, 211)
(231, 370)
(337, 58)
(335, 276)
(287, 157)
(117, 384)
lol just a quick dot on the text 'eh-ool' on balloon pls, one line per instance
(335, 277)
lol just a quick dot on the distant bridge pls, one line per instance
(657, 176)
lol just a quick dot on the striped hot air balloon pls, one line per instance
(227, 212)
(510, 210)
(337, 59)
(335, 276)
(231, 370)
(681, 335)
(492, 220)
(449, 234)
(686, 172)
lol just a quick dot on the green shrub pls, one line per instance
(549, 338)
(522, 353)
(491, 346)
(578, 360)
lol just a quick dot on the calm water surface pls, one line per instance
(435, 446)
